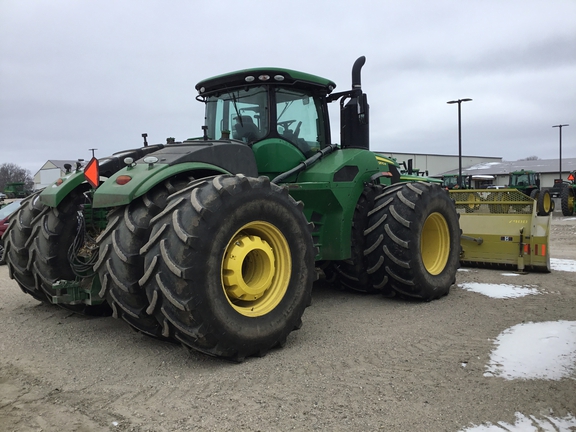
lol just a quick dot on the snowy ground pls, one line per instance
(544, 350)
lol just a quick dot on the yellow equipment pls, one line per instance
(501, 228)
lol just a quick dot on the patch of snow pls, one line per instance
(463, 269)
(545, 350)
(528, 424)
(510, 274)
(563, 264)
(501, 291)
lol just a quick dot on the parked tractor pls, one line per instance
(216, 241)
(528, 182)
(16, 190)
(567, 195)
(450, 181)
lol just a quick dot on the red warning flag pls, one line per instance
(92, 173)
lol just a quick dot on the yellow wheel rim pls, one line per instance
(256, 269)
(547, 203)
(435, 243)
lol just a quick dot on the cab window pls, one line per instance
(243, 113)
(298, 120)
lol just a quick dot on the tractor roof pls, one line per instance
(265, 75)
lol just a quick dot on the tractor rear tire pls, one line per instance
(229, 266)
(544, 203)
(354, 273)
(49, 251)
(567, 200)
(420, 239)
(120, 264)
(22, 230)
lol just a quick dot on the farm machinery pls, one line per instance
(528, 182)
(216, 241)
(502, 229)
(567, 195)
(16, 190)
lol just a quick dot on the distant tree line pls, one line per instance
(12, 173)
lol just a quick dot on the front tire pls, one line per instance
(420, 239)
(229, 266)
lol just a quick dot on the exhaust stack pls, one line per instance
(354, 115)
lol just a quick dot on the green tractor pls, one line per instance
(450, 181)
(567, 195)
(528, 182)
(16, 190)
(216, 241)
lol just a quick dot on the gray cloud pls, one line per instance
(79, 75)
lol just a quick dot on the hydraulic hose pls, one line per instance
(305, 164)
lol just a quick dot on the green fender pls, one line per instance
(55, 193)
(143, 178)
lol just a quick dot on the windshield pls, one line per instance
(450, 181)
(242, 113)
(520, 180)
(9, 209)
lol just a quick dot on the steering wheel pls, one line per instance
(286, 124)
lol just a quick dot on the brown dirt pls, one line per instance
(359, 363)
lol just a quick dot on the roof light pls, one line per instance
(150, 160)
(129, 162)
(264, 77)
(59, 182)
(249, 78)
(279, 77)
(202, 90)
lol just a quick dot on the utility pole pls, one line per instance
(459, 102)
(560, 126)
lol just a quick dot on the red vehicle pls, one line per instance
(5, 213)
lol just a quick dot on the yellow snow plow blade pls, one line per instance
(501, 228)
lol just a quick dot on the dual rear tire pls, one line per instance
(405, 241)
(229, 266)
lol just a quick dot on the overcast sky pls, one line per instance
(76, 74)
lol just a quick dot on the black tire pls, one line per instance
(217, 243)
(567, 200)
(544, 203)
(354, 273)
(49, 251)
(420, 239)
(23, 228)
(120, 264)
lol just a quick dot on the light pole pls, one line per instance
(560, 126)
(459, 102)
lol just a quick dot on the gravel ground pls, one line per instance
(359, 363)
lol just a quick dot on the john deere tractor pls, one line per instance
(216, 241)
(528, 182)
(567, 195)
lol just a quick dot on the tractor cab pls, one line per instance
(525, 181)
(281, 114)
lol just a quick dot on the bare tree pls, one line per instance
(530, 158)
(12, 173)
